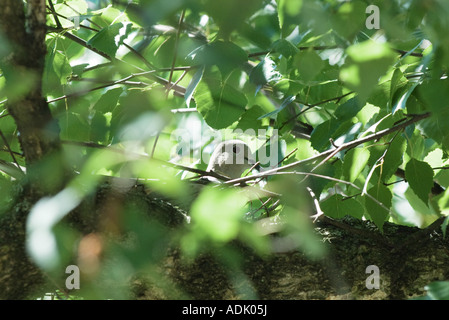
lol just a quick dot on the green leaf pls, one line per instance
(264, 72)
(399, 84)
(436, 128)
(70, 9)
(218, 213)
(284, 47)
(74, 127)
(393, 157)
(250, 119)
(349, 19)
(348, 109)
(336, 207)
(222, 11)
(366, 63)
(416, 144)
(193, 84)
(110, 38)
(378, 212)
(288, 7)
(419, 175)
(226, 55)
(108, 101)
(284, 104)
(435, 94)
(98, 128)
(110, 15)
(425, 213)
(309, 64)
(333, 127)
(61, 66)
(354, 162)
(321, 134)
(220, 104)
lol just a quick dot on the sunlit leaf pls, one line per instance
(193, 84)
(251, 118)
(220, 104)
(355, 162)
(224, 54)
(264, 72)
(289, 8)
(366, 63)
(110, 38)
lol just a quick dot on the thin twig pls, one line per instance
(55, 15)
(318, 48)
(335, 180)
(154, 145)
(179, 90)
(10, 151)
(311, 106)
(175, 54)
(117, 82)
(144, 156)
(325, 154)
(283, 159)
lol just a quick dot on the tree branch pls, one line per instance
(329, 153)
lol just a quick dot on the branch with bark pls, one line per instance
(25, 36)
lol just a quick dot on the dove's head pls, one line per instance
(231, 158)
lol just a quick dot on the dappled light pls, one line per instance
(239, 149)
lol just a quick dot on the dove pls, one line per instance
(231, 158)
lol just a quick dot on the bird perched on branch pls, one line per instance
(231, 158)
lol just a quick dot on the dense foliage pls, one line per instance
(343, 102)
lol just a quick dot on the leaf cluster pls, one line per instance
(137, 86)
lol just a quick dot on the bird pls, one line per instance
(231, 158)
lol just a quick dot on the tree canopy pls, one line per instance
(343, 103)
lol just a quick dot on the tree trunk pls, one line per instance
(23, 32)
(22, 35)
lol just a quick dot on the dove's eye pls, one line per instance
(235, 149)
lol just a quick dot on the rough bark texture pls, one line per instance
(408, 259)
(341, 274)
(24, 31)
